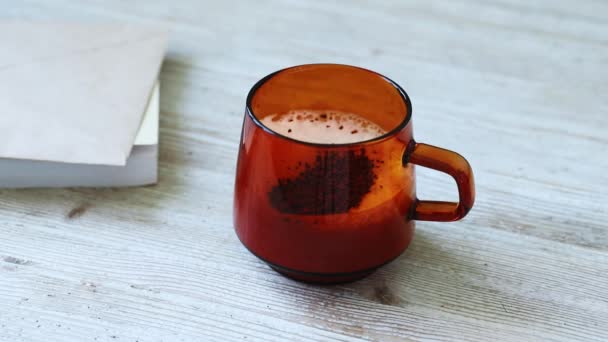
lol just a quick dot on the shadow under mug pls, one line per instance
(330, 213)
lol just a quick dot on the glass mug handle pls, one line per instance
(454, 165)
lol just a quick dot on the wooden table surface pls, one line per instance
(518, 87)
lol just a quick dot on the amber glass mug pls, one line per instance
(331, 213)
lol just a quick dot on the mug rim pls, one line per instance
(385, 136)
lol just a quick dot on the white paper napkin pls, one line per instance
(75, 93)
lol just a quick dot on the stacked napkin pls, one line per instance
(79, 104)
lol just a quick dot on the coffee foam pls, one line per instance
(323, 127)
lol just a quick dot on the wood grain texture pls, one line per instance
(517, 87)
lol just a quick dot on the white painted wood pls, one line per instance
(519, 88)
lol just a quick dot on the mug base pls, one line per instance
(321, 278)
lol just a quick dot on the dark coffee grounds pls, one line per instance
(336, 183)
